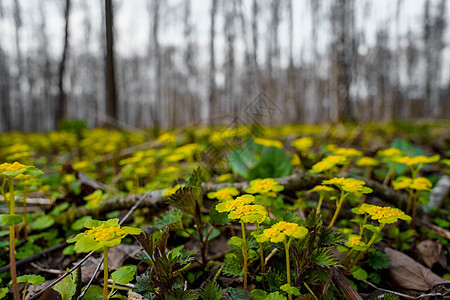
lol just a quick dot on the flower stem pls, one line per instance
(338, 209)
(105, 273)
(244, 252)
(361, 254)
(261, 250)
(12, 243)
(25, 219)
(319, 205)
(288, 267)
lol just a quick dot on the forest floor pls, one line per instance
(247, 212)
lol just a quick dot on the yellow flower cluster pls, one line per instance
(347, 152)
(412, 161)
(227, 206)
(249, 214)
(354, 242)
(385, 215)
(105, 233)
(321, 189)
(224, 194)
(367, 162)
(241, 209)
(268, 143)
(419, 183)
(267, 186)
(390, 153)
(16, 166)
(12, 170)
(302, 144)
(349, 185)
(328, 163)
(279, 231)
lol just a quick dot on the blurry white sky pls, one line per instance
(132, 25)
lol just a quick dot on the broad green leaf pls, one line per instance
(68, 286)
(274, 163)
(372, 228)
(291, 290)
(378, 260)
(43, 222)
(124, 274)
(78, 224)
(32, 279)
(275, 296)
(7, 220)
(241, 161)
(94, 293)
(3, 292)
(258, 294)
(237, 241)
(358, 273)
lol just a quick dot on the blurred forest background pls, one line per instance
(166, 63)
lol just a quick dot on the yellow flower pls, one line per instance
(224, 194)
(412, 161)
(302, 144)
(390, 153)
(234, 204)
(170, 191)
(167, 138)
(249, 213)
(349, 185)
(419, 183)
(12, 170)
(321, 189)
(268, 143)
(328, 163)
(367, 162)
(225, 177)
(266, 186)
(385, 215)
(101, 234)
(354, 242)
(105, 233)
(347, 152)
(279, 231)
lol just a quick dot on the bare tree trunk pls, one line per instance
(157, 100)
(61, 107)
(5, 110)
(111, 95)
(257, 79)
(342, 16)
(212, 59)
(18, 111)
(230, 37)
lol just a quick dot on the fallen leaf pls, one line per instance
(409, 274)
(431, 252)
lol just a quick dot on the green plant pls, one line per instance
(160, 279)
(101, 236)
(9, 172)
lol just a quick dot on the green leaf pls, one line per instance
(238, 294)
(322, 257)
(372, 228)
(43, 222)
(93, 293)
(78, 224)
(291, 290)
(258, 294)
(124, 274)
(8, 220)
(275, 296)
(236, 241)
(32, 279)
(212, 291)
(3, 292)
(85, 244)
(274, 163)
(172, 217)
(69, 250)
(378, 260)
(232, 266)
(242, 160)
(218, 218)
(68, 286)
(358, 273)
